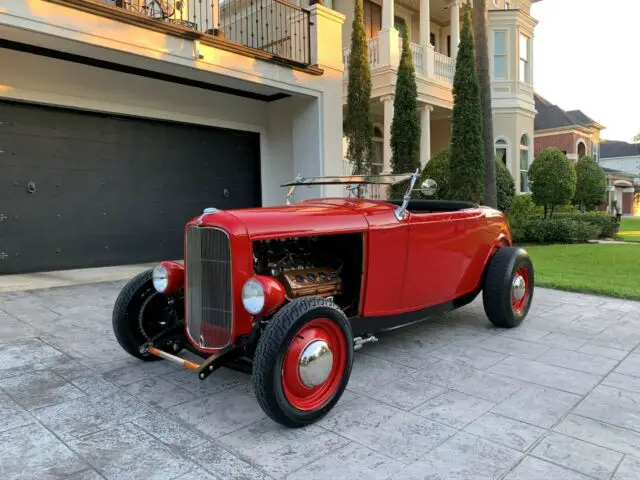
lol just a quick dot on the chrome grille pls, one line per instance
(208, 287)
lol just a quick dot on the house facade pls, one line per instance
(577, 135)
(434, 31)
(573, 132)
(622, 161)
(122, 119)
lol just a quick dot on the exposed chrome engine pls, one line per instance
(301, 265)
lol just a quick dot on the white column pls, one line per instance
(388, 118)
(425, 134)
(425, 23)
(387, 14)
(455, 27)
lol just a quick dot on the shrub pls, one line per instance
(358, 124)
(467, 144)
(506, 187)
(602, 220)
(557, 230)
(591, 184)
(519, 212)
(405, 127)
(553, 180)
(438, 169)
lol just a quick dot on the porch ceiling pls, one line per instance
(439, 10)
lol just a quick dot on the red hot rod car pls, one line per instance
(293, 290)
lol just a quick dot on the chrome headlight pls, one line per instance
(160, 278)
(253, 296)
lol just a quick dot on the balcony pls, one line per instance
(274, 27)
(428, 64)
(374, 55)
(444, 68)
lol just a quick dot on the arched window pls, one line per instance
(524, 163)
(501, 150)
(582, 149)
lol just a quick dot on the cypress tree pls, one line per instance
(405, 128)
(467, 145)
(358, 123)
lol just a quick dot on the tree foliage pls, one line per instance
(591, 184)
(553, 179)
(467, 146)
(405, 127)
(437, 169)
(358, 124)
(505, 186)
(636, 138)
(480, 20)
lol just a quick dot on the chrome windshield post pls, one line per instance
(400, 211)
(292, 189)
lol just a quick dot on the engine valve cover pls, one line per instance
(311, 281)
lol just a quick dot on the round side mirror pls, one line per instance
(429, 187)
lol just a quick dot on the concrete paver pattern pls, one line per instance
(452, 397)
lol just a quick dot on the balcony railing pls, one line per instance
(417, 55)
(444, 68)
(274, 26)
(373, 47)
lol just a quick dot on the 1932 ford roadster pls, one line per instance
(293, 290)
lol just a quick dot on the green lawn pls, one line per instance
(612, 270)
(629, 224)
(630, 229)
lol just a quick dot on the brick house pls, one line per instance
(573, 132)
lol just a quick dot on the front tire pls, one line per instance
(140, 313)
(508, 287)
(303, 361)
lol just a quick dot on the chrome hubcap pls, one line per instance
(315, 363)
(519, 287)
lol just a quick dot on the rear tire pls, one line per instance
(508, 287)
(281, 384)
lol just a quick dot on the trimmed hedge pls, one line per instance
(559, 230)
(600, 219)
(568, 226)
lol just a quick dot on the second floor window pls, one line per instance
(500, 54)
(525, 74)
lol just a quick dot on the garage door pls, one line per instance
(80, 189)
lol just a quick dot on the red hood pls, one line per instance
(325, 215)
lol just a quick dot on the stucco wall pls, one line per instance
(510, 126)
(440, 135)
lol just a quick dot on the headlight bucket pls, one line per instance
(262, 295)
(168, 277)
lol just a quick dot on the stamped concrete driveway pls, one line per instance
(453, 398)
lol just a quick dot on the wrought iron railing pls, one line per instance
(274, 26)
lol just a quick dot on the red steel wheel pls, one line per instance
(520, 289)
(314, 364)
(302, 363)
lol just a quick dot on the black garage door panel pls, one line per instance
(82, 190)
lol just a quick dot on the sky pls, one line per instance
(587, 57)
